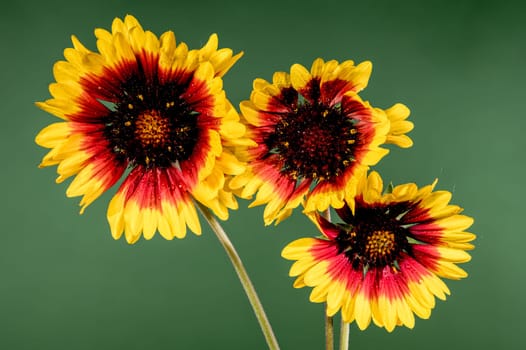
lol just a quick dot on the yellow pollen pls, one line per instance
(353, 131)
(151, 129)
(127, 123)
(140, 97)
(380, 244)
(130, 106)
(324, 113)
(350, 142)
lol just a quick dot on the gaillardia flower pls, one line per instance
(384, 263)
(152, 107)
(315, 137)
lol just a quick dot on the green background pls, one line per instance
(459, 66)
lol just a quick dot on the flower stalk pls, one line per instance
(329, 331)
(243, 277)
(344, 335)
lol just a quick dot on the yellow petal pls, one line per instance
(297, 249)
(457, 222)
(362, 311)
(301, 266)
(299, 76)
(317, 68)
(52, 135)
(397, 112)
(133, 222)
(115, 215)
(335, 297)
(191, 218)
(149, 218)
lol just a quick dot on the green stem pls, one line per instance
(329, 331)
(243, 277)
(344, 335)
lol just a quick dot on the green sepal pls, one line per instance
(389, 188)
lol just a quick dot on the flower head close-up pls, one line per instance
(315, 137)
(385, 262)
(153, 112)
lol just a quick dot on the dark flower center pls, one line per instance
(375, 237)
(150, 124)
(313, 141)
